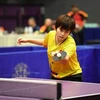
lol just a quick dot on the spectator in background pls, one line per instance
(47, 26)
(80, 18)
(1, 30)
(32, 26)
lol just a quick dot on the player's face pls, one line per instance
(62, 34)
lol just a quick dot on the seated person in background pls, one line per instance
(32, 26)
(80, 18)
(1, 30)
(47, 26)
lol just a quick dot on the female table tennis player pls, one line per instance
(58, 40)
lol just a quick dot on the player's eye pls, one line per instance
(61, 30)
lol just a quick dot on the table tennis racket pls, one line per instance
(59, 56)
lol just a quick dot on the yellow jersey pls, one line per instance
(72, 66)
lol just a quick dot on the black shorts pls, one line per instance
(77, 77)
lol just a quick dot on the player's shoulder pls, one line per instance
(52, 32)
(70, 39)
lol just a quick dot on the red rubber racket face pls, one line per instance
(60, 56)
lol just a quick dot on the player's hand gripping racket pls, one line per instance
(59, 56)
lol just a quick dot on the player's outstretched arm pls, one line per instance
(37, 42)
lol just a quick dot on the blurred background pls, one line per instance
(15, 13)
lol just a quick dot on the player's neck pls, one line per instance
(58, 41)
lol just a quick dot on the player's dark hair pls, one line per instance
(65, 22)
